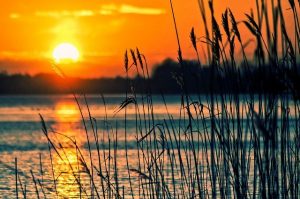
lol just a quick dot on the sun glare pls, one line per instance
(65, 52)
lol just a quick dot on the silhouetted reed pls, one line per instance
(222, 145)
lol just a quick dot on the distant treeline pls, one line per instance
(167, 77)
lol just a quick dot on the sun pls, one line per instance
(65, 52)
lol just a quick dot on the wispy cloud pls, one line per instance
(65, 13)
(23, 55)
(14, 15)
(130, 9)
(106, 9)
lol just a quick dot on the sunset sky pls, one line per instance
(100, 30)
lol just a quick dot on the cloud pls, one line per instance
(14, 15)
(128, 9)
(106, 9)
(23, 55)
(110, 9)
(65, 13)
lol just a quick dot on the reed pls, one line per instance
(222, 145)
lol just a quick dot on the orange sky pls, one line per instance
(101, 30)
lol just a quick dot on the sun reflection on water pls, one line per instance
(67, 112)
(67, 166)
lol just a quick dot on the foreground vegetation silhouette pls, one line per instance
(223, 145)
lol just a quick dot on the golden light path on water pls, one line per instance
(70, 173)
(66, 166)
(71, 177)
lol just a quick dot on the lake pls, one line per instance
(132, 146)
(21, 134)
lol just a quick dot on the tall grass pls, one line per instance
(223, 145)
